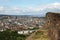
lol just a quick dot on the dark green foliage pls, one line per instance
(11, 35)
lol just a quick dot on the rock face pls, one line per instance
(53, 25)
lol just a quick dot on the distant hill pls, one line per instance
(20, 15)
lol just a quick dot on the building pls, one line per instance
(25, 31)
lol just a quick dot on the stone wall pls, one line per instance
(53, 25)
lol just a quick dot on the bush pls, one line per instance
(11, 35)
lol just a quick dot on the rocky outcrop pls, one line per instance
(53, 25)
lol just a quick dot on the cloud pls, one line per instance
(52, 5)
(22, 10)
(1, 8)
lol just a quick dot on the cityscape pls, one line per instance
(29, 19)
(18, 23)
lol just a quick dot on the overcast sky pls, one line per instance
(24, 7)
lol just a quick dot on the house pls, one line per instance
(2, 29)
(25, 31)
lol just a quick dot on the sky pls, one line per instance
(27, 7)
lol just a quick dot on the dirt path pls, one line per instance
(30, 37)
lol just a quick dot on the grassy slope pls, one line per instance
(41, 35)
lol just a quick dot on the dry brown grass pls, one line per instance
(41, 35)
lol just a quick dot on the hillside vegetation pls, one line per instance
(41, 34)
